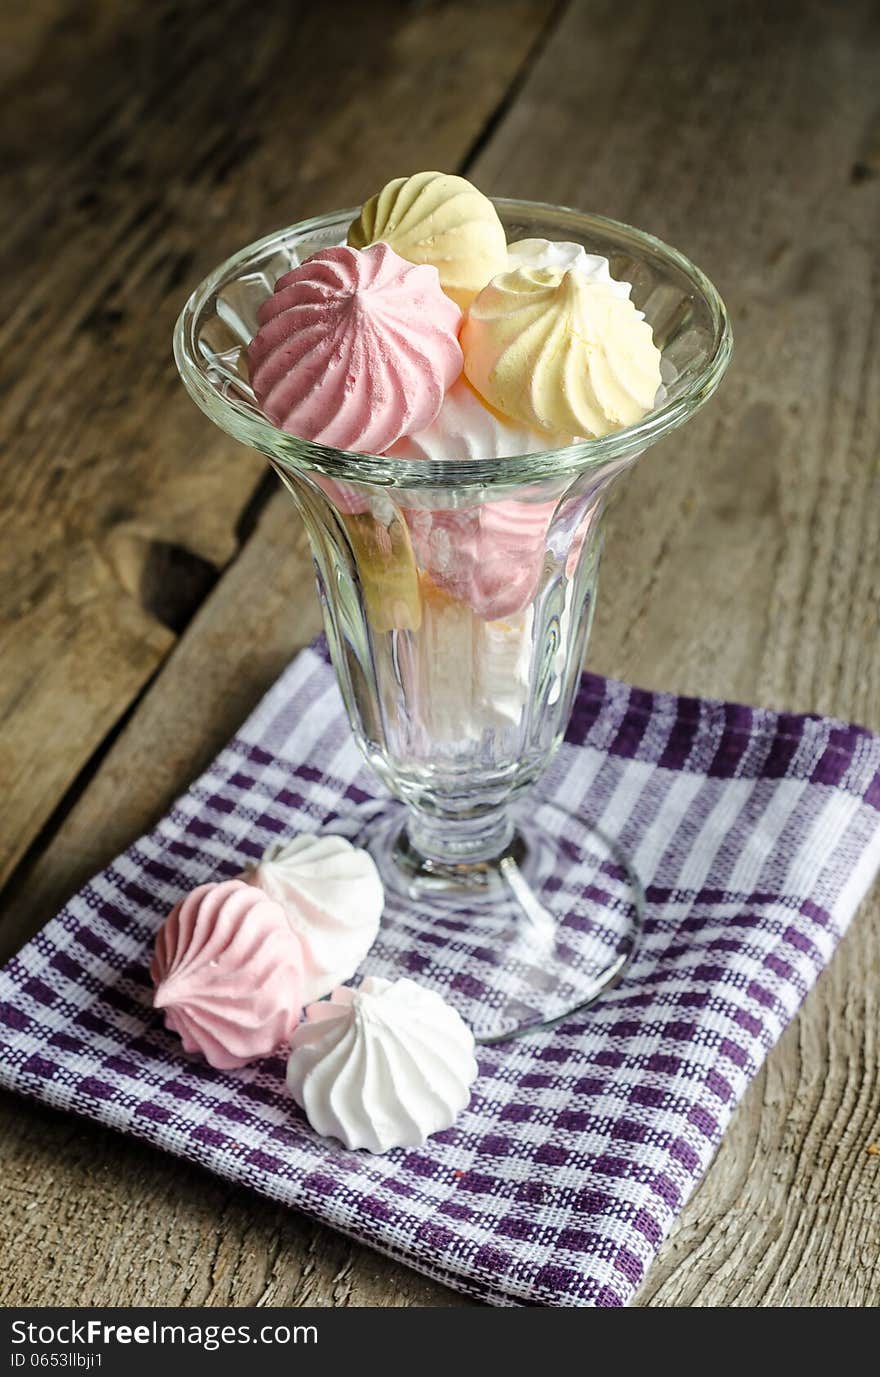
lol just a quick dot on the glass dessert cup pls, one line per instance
(457, 600)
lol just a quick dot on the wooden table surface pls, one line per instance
(154, 581)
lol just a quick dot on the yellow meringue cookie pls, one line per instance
(553, 349)
(435, 217)
(387, 570)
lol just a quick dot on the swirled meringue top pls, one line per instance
(333, 898)
(549, 347)
(228, 973)
(381, 1066)
(466, 427)
(561, 253)
(434, 217)
(355, 349)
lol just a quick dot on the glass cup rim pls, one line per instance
(237, 420)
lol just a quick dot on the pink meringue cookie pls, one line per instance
(356, 347)
(489, 557)
(228, 971)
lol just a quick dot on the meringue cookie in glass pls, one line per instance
(459, 681)
(346, 498)
(442, 683)
(389, 577)
(466, 427)
(355, 348)
(472, 678)
(474, 674)
(488, 556)
(556, 253)
(382, 1066)
(228, 972)
(441, 219)
(502, 668)
(556, 350)
(333, 898)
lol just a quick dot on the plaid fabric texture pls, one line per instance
(756, 835)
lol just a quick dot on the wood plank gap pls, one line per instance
(497, 116)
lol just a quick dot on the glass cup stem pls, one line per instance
(422, 855)
(449, 841)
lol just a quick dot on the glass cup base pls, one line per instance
(516, 943)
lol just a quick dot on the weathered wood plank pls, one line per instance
(743, 561)
(186, 717)
(150, 140)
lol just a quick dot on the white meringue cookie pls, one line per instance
(466, 428)
(504, 667)
(333, 898)
(472, 675)
(381, 1066)
(446, 676)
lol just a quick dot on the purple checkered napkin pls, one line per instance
(756, 835)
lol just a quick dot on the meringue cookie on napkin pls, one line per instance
(333, 898)
(382, 1066)
(227, 968)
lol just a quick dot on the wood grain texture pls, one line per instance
(742, 561)
(186, 717)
